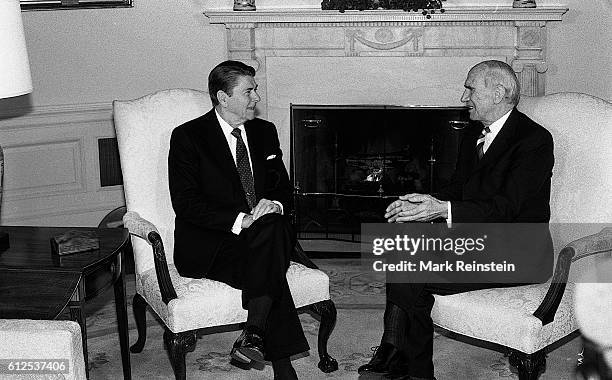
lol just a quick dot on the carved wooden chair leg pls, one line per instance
(529, 365)
(178, 345)
(139, 305)
(327, 311)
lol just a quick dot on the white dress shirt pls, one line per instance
(494, 130)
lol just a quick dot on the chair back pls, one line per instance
(143, 127)
(581, 195)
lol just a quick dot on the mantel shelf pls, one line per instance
(454, 14)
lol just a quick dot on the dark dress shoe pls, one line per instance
(380, 363)
(249, 346)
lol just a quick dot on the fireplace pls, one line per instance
(348, 162)
(305, 55)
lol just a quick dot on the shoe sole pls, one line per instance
(237, 355)
(373, 372)
(250, 354)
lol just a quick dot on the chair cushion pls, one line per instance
(43, 339)
(505, 316)
(221, 302)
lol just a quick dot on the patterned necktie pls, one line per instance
(244, 168)
(480, 142)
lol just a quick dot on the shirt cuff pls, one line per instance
(449, 220)
(237, 227)
(279, 205)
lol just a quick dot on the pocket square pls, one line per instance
(270, 157)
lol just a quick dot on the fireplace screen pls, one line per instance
(349, 162)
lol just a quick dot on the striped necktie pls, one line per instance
(244, 168)
(480, 142)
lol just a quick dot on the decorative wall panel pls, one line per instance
(52, 171)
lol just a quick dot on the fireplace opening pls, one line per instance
(349, 162)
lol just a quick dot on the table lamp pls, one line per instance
(15, 78)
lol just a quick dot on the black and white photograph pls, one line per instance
(306, 189)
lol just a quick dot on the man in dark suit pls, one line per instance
(503, 175)
(229, 189)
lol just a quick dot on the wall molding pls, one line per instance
(67, 191)
(73, 167)
(48, 115)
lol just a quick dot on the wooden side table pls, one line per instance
(38, 285)
(35, 294)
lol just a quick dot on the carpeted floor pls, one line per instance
(359, 297)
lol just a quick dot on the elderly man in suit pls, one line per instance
(229, 189)
(503, 175)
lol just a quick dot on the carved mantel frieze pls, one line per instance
(518, 34)
(384, 41)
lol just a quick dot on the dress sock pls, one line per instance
(396, 327)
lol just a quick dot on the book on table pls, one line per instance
(74, 241)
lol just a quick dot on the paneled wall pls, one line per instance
(52, 170)
(81, 60)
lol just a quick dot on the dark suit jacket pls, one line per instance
(205, 186)
(511, 183)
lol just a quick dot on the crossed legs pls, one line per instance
(408, 332)
(256, 262)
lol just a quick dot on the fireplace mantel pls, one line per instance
(518, 34)
(372, 57)
(303, 16)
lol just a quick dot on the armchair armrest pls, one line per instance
(583, 247)
(146, 230)
(593, 244)
(549, 305)
(138, 226)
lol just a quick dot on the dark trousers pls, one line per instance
(256, 262)
(417, 300)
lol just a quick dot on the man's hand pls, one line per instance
(264, 207)
(416, 207)
(247, 221)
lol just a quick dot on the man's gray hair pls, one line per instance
(500, 73)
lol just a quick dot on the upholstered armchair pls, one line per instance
(595, 320)
(143, 127)
(38, 340)
(526, 322)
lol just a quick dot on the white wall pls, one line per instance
(83, 59)
(580, 55)
(88, 56)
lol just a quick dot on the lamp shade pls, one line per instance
(15, 78)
